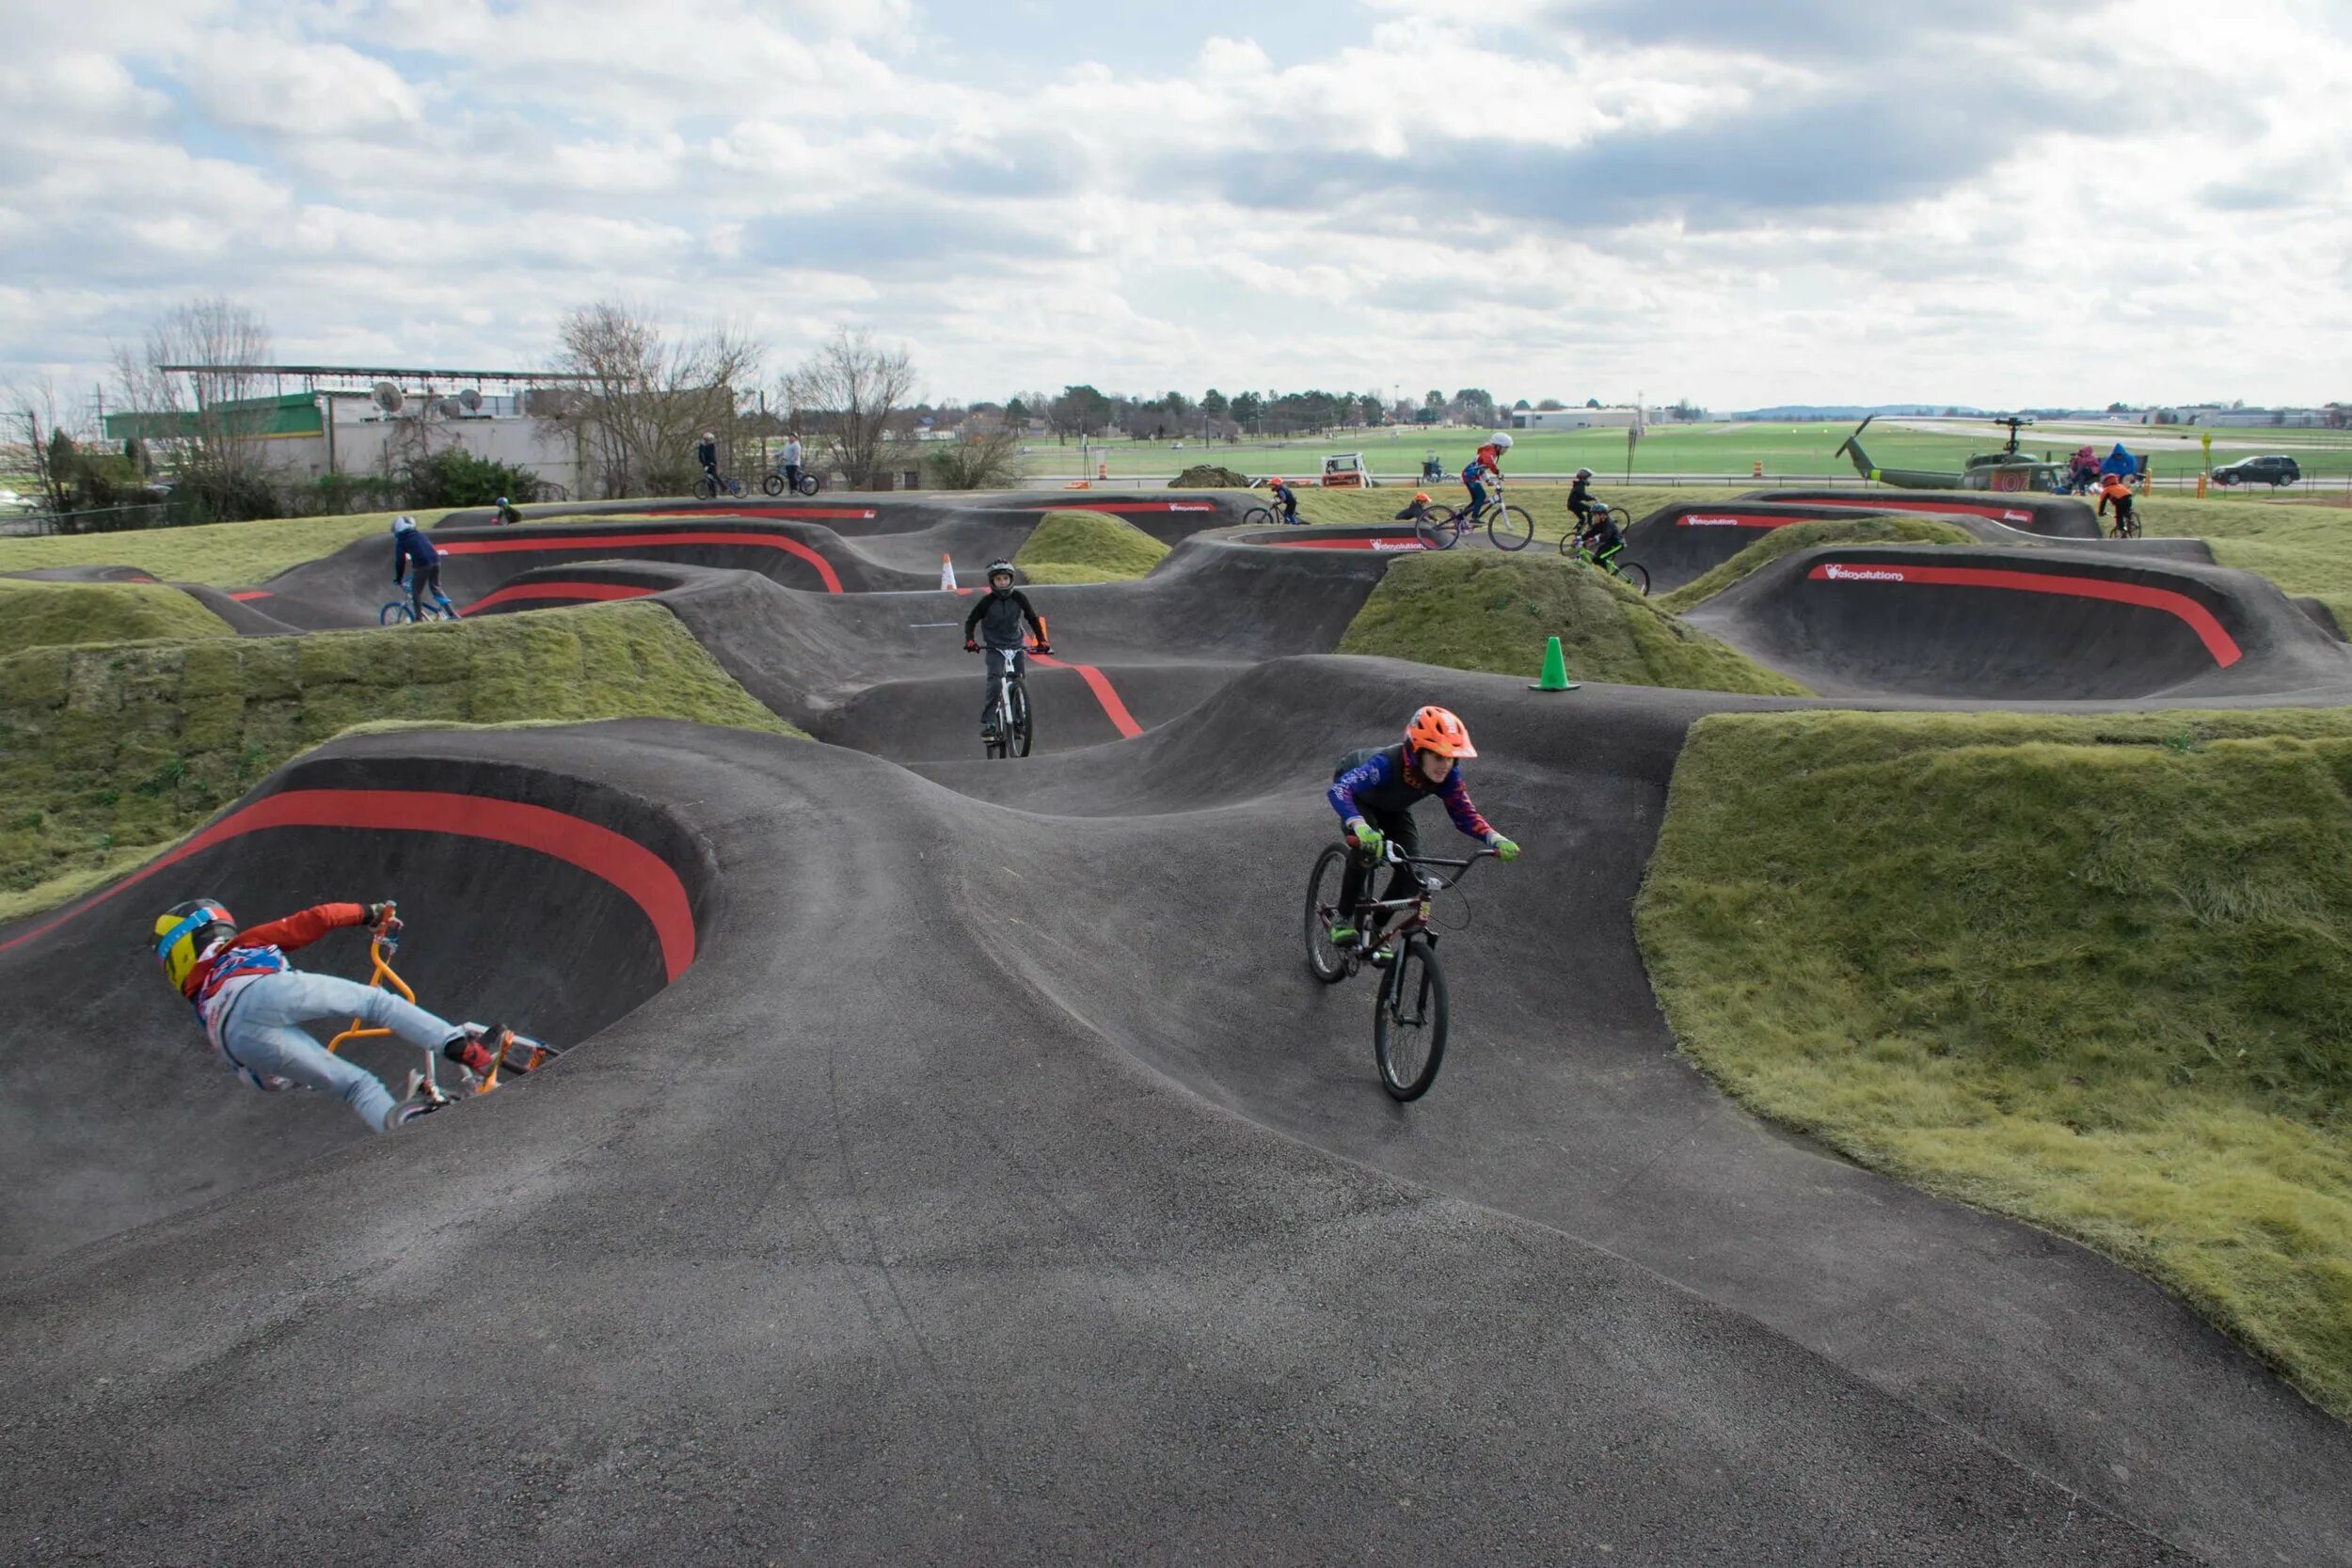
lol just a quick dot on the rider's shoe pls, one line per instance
(1342, 935)
(479, 1049)
(988, 728)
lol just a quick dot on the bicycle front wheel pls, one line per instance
(1023, 723)
(1435, 529)
(808, 485)
(1637, 575)
(1509, 528)
(391, 615)
(1410, 1021)
(1258, 517)
(1325, 961)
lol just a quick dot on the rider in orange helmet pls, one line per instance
(1285, 499)
(1376, 790)
(2117, 491)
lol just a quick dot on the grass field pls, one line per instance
(1729, 449)
(2121, 1014)
(223, 555)
(109, 753)
(50, 614)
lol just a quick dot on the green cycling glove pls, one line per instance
(1368, 838)
(1504, 849)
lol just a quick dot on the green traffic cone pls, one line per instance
(1555, 671)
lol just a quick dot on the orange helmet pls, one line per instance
(1421, 496)
(1436, 729)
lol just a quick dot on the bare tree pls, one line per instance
(985, 460)
(32, 413)
(205, 423)
(650, 396)
(849, 394)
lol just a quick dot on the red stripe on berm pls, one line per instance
(629, 865)
(2202, 620)
(1104, 693)
(569, 593)
(672, 539)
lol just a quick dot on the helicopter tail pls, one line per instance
(1852, 448)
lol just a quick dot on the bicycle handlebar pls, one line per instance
(1460, 868)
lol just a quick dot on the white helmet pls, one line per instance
(1584, 473)
(1503, 440)
(403, 523)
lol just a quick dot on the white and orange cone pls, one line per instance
(947, 574)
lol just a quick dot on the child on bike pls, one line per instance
(1286, 501)
(1580, 497)
(1488, 460)
(253, 1004)
(998, 615)
(1374, 791)
(1599, 533)
(1415, 509)
(506, 512)
(414, 557)
(706, 454)
(2114, 490)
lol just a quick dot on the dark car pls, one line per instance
(2273, 472)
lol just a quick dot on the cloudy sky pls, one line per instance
(1738, 201)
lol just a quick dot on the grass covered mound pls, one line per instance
(108, 755)
(1478, 610)
(2095, 972)
(224, 555)
(2304, 548)
(1087, 546)
(53, 614)
(1802, 536)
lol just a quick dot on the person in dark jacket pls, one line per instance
(706, 455)
(414, 557)
(998, 618)
(1374, 792)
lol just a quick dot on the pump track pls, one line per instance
(955, 1164)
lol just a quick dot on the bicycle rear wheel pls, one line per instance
(1258, 517)
(1435, 529)
(705, 489)
(1634, 573)
(1326, 961)
(1409, 1022)
(773, 484)
(1509, 528)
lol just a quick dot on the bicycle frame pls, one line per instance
(1418, 903)
(387, 977)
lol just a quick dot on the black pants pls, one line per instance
(791, 479)
(422, 580)
(996, 659)
(1398, 826)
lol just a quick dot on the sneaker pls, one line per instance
(479, 1048)
(988, 727)
(1342, 935)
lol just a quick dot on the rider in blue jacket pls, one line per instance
(1374, 791)
(410, 545)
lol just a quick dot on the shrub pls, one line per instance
(983, 463)
(456, 476)
(1208, 476)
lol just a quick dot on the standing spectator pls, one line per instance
(706, 454)
(792, 462)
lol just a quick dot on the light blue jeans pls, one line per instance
(266, 1037)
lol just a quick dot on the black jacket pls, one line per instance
(999, 617)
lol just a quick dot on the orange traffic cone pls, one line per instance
(946, 574)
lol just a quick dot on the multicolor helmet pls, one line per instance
(997, 568)
(183, 931)
(1436, 729)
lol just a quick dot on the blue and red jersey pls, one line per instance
(1381, 780)
(227, 967)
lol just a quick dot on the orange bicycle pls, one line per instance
(521, 1055)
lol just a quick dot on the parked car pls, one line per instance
(2273, 472)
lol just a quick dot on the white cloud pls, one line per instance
(1588, 197)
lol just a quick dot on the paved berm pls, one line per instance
(955, 1163)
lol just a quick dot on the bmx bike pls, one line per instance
(401, 611)
(1577, 545)
(776, 484)
(521, 1055)
(1013, 730)
(712, 486)
(1508, 527)
(1408, 1018)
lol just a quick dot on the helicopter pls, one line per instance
(2005, 469)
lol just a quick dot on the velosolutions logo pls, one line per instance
(1862, 573)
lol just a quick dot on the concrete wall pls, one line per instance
(359, 447)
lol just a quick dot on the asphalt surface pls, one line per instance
(990, 1182)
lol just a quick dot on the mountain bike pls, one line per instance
(1014, 729)
(401, 611)
(776, 484)
(520, 1055)
(1409, 1019)
(2126, 525)
(1508, 527)
(1264, 517)
(712, 486)
(1577, 545)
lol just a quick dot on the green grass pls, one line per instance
(1087, 546)
(2095, 972)
(49, 614)
(1786, 450)
(1479, 609)
(108, 755)
(224, 555)
(1802, 536)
